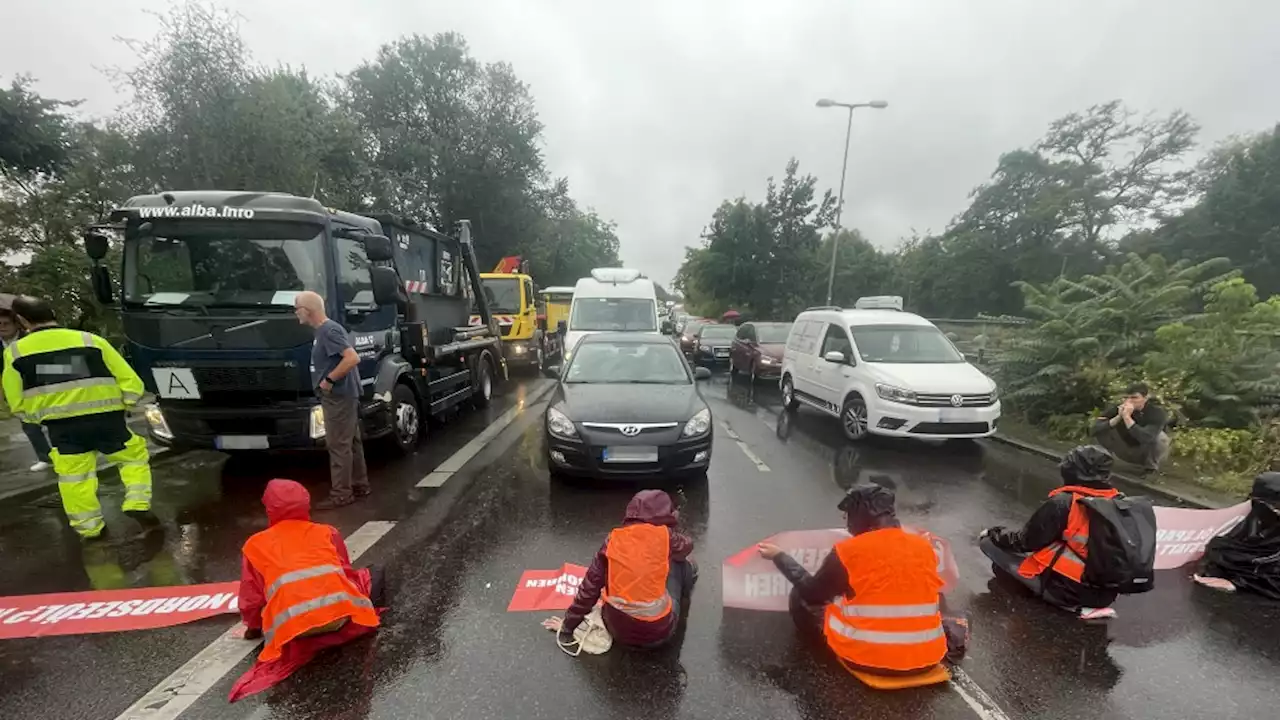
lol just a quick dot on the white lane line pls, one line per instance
(975, 697)
(454, 463)
(746, 450)
(179, 691)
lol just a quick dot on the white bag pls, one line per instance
(591, 637)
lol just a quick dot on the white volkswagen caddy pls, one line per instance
(884, 371)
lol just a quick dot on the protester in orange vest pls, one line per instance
(299, 590)
(644, 573)
(876, 599)
(1057, 534)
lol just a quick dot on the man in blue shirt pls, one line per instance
(336, 379)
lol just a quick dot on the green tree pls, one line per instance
(861, 269)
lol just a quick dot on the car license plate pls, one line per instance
(722, 352)
(241, 442)
(631, 454)
(956, 415)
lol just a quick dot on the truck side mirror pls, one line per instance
(386, 285)
(562, 327)
(377, 247)
(96, 245)
(100, 277)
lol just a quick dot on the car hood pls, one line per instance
(628, 403)
(773, 350)
(933, 378)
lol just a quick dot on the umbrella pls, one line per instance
(730, 315)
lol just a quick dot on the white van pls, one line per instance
(884, 371)
(611, 300)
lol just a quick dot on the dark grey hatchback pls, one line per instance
(628, 405)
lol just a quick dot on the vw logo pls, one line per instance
(956, 401)
(630, 430)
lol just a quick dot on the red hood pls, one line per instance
(652, 506)
(286, 500)
(773, 350)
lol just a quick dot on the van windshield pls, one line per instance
(919, 344)
(605, 314)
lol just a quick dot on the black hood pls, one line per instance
(591, 402)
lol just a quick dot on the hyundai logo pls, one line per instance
(956, 401)
(630, 430)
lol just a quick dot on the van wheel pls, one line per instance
(789, 402)
(482, 386)
(406, 420)
(853, 418)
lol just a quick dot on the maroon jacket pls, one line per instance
(648, 506)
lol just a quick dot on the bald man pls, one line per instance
(336, 380)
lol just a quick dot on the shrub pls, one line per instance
(1217, 451)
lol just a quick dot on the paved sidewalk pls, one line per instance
(17, 457)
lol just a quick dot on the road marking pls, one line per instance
(456, 461)
(975, 697)
(179, 691)
(746, 450)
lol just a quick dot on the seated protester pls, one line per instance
(1134, 430)
(1057, 533)
(644, 573)
(298, 588)
(876, 598)
(1247, 558)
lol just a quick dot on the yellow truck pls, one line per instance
(514, 303)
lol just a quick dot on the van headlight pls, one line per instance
(316, 424)
(895, 394)
(698, 425)
(995, 392)
(155, 418)
(559, 425)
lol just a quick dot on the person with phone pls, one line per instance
(1134, 430)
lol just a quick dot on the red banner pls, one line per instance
(753, 583)
(102, 611)
(547, 589)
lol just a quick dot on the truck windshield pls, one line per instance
(604, 314)
(503, 294)
(212, 262)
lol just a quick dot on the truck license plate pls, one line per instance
(241, 442)
(631, 454)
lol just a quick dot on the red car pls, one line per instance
(757, 349)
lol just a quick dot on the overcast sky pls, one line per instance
(658, 110)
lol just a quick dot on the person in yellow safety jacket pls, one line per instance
(79, 388)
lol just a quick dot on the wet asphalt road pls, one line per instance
(449, 649)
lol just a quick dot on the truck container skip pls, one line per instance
(207, 291)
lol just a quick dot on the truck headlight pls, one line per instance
(705, 348)
(155, 419)
(895, 394)
(698, 425)
(316, 425)
(560, 425)
(519, 349)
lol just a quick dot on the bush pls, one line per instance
(1218, 451)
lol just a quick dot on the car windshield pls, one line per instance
(773, 334)
(627, 363)
(718, 332)
(904, 344)
(610, 314)
(217, 262)
(503, 295)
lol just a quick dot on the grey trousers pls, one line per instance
(1149, 456)
(346, 450)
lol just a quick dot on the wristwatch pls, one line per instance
(331, 380)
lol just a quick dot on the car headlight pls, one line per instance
(766, 361)
(895, 394)
(699, 424)
(705, 348)
(316, 424)
(155, 418)
(995, 393)
(560, 425)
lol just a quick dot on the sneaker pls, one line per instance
(40, 466)
(332, 503)
(1097, 613)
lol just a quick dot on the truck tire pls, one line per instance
(482, 386)
(406, 420)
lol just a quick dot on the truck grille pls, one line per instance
(966, 400)
(240, 378)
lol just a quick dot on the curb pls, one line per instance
(1168, 493)
(159, 455)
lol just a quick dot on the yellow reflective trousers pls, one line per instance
(78, 483)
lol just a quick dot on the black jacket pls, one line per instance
(1148, 423)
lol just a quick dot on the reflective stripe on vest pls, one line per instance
(882, 637)
(654, 609)
(886, 611)
(69, 385)
(64, 374)
(307, 606)
(303, 574)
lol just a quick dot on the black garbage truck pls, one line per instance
(206, 291)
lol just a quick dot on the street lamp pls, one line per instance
(844, 168)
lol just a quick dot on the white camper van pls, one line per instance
(612, 300)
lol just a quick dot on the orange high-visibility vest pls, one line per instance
(639, 561)
(1074, 544)
(306, 587)
(891, 619)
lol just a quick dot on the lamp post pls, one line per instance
(844, 168)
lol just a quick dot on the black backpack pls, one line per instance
(1122, 544)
